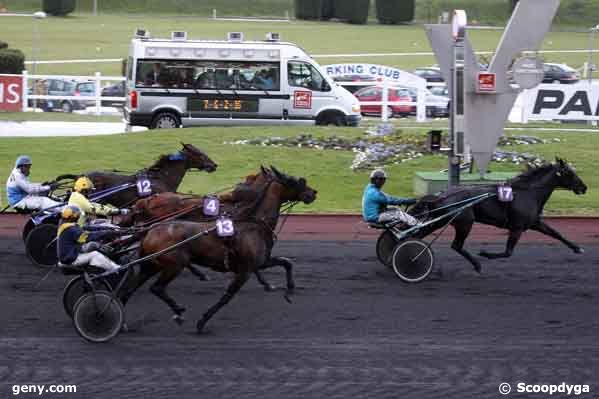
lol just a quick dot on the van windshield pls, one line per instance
(302, 74)
(208, 75)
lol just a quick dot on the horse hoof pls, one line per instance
(124, 328)
(478, 268)
(178, 319)
(204, 277)
(269, 287)
(287, 297)
(200, 326)
(484, 254)
(579, 250)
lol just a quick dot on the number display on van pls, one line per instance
(222, 104)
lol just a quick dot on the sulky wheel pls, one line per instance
(27, 229)
(98, 317)
(413, 261)
(76, 288)
(385, 245)
(40, 245)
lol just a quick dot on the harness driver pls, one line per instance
(24, 195)
(375, 202)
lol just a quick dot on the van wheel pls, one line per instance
(66, 106)
(165, 120)
(336, 118)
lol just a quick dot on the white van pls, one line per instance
(180, 82)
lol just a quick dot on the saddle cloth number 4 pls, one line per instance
(505, 193)
(211, 206)
(144, 187)
(225, 227)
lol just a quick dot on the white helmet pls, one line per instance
(378, 173)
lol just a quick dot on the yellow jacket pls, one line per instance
(89, 208)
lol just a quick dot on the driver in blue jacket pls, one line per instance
(375, 202)
(23, 194)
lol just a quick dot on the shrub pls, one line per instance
(327, 9)
(395, 11)
(59, 7)
(355, 12)
(12, 61)
(308, 9)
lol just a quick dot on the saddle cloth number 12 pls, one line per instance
(144, 187)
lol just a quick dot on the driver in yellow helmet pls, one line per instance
(78, 247)
(82, 189)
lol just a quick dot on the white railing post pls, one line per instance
(420, 105)
(385, 100)
(25, 93)
(98, 93)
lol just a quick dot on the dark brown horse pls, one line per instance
(243, 253)
(164, 175)
(531, 190)
(189, 207)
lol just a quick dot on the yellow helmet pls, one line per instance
(83, 183)
(70, 213)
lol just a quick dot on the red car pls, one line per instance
(376, 94)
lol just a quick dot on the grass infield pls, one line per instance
(340, 188)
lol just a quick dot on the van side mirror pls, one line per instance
(325, 86)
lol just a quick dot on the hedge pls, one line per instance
(395, 11)
(327, 9)
(59, 7)
(355, 12)
(308, 9)
(12, 61)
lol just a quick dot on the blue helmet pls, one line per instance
(23, 160)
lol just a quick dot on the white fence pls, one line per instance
(385, 103)
(98, 78)
(97, 98)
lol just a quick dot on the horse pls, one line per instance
(531, 190)
(164, 175)
(243, 253)
(189, 207)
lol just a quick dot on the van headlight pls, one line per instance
(355, 108)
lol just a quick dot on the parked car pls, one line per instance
(376, 94)
(437, 105)
(115, 90)
(355, 78)
(440, 91)
(560, 73)
(63, 87)
(430, 74)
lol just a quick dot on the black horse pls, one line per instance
(531, 190)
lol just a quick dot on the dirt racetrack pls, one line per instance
(353, 331)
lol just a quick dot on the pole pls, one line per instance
(37, 16)
(95, 9)
(590, 65)
(457, 120)
(34, 56)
